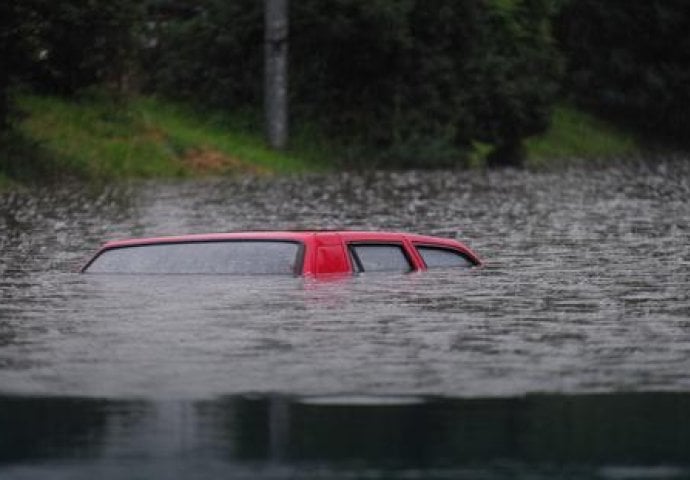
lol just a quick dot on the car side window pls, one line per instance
(438, 257)
(242, 257)
(379, 258)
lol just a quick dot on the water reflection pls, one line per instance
(586, 436)
(34, 428)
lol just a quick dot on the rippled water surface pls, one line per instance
(585, 292)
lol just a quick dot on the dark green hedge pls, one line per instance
(407, 79)
(208, 50)
(630, 60)
(65, 46)
(392, 77)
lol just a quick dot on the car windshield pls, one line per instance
(244, 257)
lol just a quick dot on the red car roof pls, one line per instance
(295, 235)
(211, 237)
(337, 260)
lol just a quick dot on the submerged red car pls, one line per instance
(308, 253)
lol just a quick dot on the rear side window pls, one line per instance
(437, 257)
(380, 258)
(232, 257)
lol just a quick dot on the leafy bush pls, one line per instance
(376, 73)
(514, 77)
(87, 42)
(630, 60)
(209, 50)
(15, 41)
(65, 46)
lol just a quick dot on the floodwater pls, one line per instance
(567, 356)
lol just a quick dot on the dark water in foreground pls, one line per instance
(613, 436)
(568, 356)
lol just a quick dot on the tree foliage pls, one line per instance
(387, 75)
(65, 46)
(406, 78)
(208, 50)
(514, 76)
(630, 60)
(16, 41)
(87, 42)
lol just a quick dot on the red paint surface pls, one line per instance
(325, 252)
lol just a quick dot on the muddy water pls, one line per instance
(582, 312)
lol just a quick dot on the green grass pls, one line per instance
(147, 137)
(233, 135)
(576, 135)
(4, 181)
(95, 137)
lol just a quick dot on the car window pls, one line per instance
(438, 257)
(230, 257)
(380, 258)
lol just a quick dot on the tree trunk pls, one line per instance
(276, 74)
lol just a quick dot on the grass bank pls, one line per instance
(97, 138)
(576, 136)
(94, 137)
